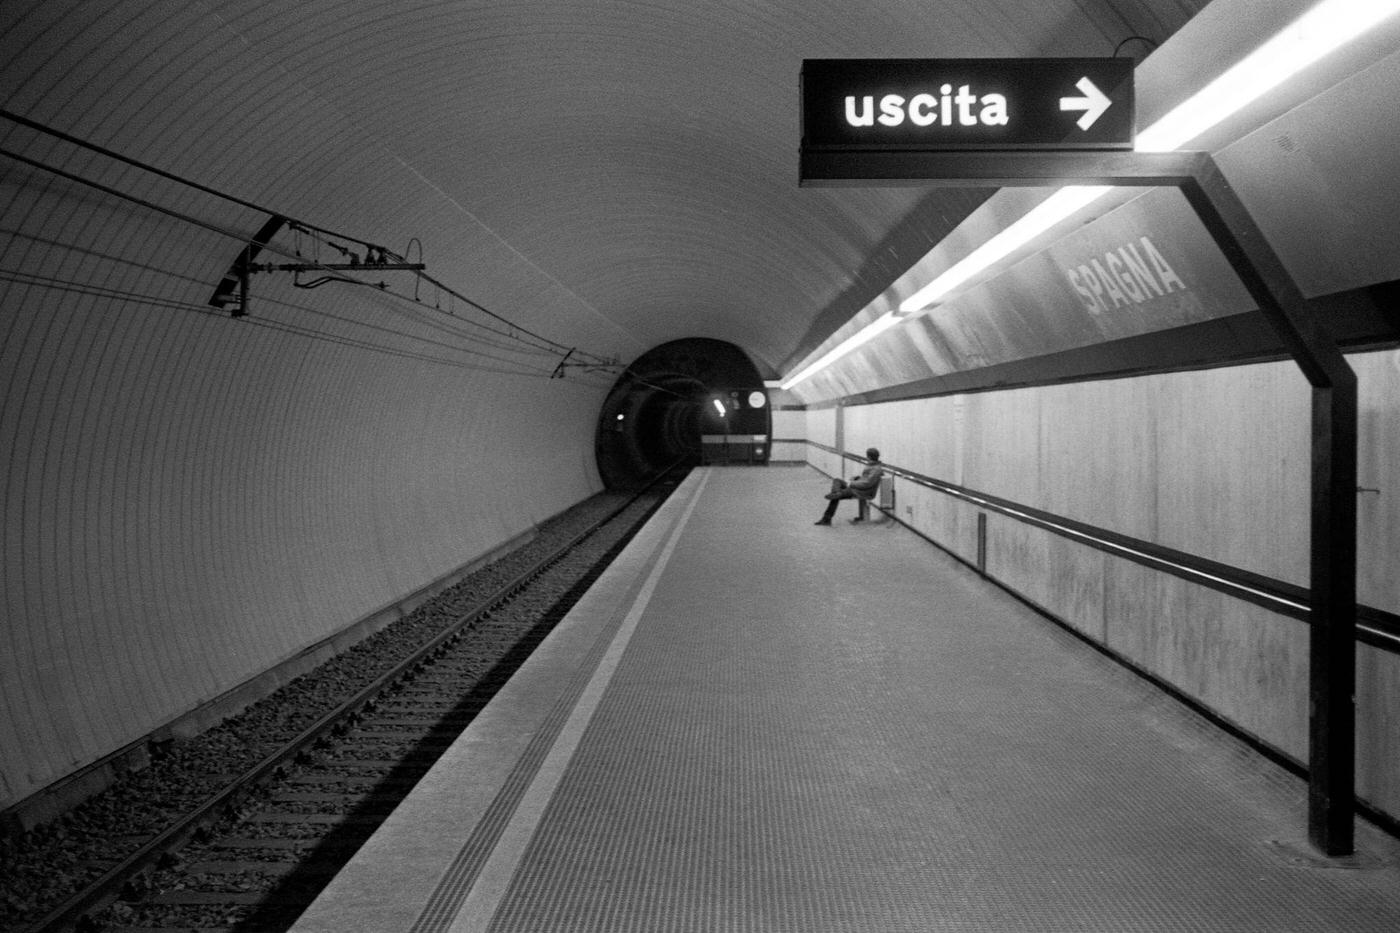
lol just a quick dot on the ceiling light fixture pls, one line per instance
(872, 330)
(1323, 29)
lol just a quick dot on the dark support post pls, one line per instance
(982, 543)
(1332, 638)
(236, 278)
(1332, 672)
(241, 267)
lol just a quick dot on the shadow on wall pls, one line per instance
(665, 402)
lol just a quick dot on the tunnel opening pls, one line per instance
(675, 402)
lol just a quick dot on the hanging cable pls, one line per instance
(32, 279)
(1151, 43)
(213, 228)
(515, 330)
(432, 323)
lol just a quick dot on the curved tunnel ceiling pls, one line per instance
(617, 175)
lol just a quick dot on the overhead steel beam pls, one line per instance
(909, 168)
(1332, 638)
(1332, 563)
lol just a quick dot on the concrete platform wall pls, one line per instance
(1212, 463)
(789, 442)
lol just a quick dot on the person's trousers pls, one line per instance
(831, 504)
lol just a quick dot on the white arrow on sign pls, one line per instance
(1093, 103)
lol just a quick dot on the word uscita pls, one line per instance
(961, 107)
(1129, 275)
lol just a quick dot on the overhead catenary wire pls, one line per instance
(364, 345)
(286, 327)
(426, 321)
(31, 279)
(514, 331)
(234, 234)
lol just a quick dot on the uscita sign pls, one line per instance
(966, 103)
(949, 106)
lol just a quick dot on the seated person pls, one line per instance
(862, 487)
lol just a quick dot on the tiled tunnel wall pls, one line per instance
(190, 501)
(189, 498)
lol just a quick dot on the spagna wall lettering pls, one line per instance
(1129, 275)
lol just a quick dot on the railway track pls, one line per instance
(251, 856)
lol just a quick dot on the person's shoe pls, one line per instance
(822, 521)
(833, 495)
(857, 519)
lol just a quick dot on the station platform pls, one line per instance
(751, 723)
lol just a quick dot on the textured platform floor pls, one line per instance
(754, 724)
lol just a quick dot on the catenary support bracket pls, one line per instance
(236, 278)
(1332, 563)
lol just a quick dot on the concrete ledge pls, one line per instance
(53, 801)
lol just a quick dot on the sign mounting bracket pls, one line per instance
(1332, 560)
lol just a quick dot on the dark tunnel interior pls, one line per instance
(671, 397)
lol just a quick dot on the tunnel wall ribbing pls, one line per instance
(189, 502)
(189, 498)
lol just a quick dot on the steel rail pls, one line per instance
(72, 913)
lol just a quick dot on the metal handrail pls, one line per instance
(1374, 626)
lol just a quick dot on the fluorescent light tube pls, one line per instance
(868, 333)
(1323, 29)
(1042, 217)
